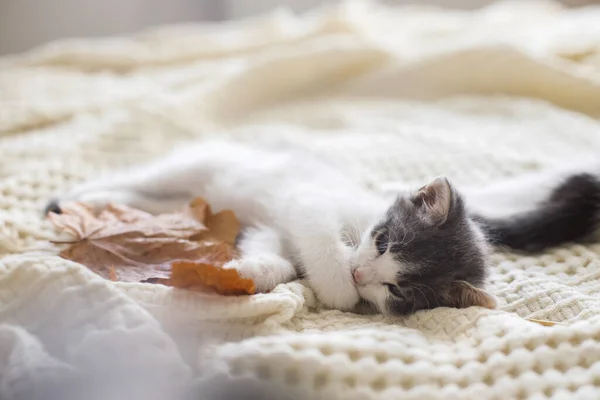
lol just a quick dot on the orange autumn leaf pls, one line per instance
(222, 226)
(185, 274)
(124, 244)
(135, 243)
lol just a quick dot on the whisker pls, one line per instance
(351, 233)
(347, 238)
(413, 236)
(426, 299)
(357, 232)
(404, 238)
(431, 290)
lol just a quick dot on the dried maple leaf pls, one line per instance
(139, 246)
(187, 274)
(222, 226)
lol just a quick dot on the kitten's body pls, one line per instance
(292, 206)
(305, 217)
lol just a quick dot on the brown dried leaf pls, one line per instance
(78, 222)
(187, 275)
(199, 209)
(222, 226)
(137, 246)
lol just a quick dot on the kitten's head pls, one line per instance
(424, 253)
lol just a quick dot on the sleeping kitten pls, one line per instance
(304, 218)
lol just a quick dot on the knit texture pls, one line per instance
(389, 94)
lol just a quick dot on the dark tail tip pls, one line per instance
(53, 206)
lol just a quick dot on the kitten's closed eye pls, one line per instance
(381, 242)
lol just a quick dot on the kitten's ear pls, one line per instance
(435, 199)
(462, 294)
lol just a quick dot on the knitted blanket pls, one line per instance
(390, 94)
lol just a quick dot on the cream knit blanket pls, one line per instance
(389, 94)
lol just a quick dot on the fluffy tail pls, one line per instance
(570, 213)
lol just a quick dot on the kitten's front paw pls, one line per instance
(340, 292)
(340, 297)
(267, 271)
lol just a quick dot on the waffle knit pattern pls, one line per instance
(387, 93)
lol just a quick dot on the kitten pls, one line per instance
(304, 218)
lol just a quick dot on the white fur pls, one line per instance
(300, 211)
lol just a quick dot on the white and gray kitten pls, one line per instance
(304, 218)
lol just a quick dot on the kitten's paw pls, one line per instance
(339, 292)
(336, 289)
(339, 297)
(267, 271)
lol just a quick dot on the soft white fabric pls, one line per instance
(388, 94)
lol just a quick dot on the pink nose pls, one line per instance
(357, 276)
